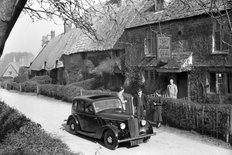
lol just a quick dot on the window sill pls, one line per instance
(220, 53)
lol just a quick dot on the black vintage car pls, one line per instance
(102, 116)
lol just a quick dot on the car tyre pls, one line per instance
(145, 140)
(73, 126)
(110, 140)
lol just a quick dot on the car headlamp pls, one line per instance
(122, 126)
(143, 122)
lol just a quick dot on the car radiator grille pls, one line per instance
(133, 127)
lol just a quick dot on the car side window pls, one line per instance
(89, 109)
(80, 106)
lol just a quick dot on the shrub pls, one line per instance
(69, 92)
(42, 79)
(21, 79)
(30, 138)
(29, 86)
(14, 86)
(18, 135)
(51, 90)
(89, 84)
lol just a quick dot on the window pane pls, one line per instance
(217, 41)
(146, 75)
(229, 78)
(149, 41)
(221, 86)
(212, 82)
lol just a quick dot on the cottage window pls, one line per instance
(146, 74)
(220, 83)
(150, 44)
(221, 37)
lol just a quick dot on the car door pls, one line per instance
(79, 109)
(90, 121)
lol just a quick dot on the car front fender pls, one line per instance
(110, 127)
(72, 117)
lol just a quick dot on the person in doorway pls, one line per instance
(172, 90)
(121, 97)
(140, 102)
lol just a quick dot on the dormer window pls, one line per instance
(160, 5)
(157, 6)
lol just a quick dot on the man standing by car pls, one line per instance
(140, 103)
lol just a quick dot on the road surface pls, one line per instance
(51, 113)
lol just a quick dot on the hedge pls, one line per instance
(29, 86)
(68, 92)
(89, 84)
(19, 135)
(209, 119)
(42, 79)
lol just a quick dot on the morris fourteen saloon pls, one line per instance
(102, 116)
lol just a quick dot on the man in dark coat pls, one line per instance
(140, 103)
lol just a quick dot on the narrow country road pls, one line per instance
(51, 113)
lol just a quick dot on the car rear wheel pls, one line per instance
(73, 126)
(145, 140)
(110, 140)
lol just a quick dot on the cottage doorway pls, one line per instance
(182, 84)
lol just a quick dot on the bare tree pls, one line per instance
(9, 13)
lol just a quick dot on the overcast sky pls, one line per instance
(26, 35)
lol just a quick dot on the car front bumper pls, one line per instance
(136, 138)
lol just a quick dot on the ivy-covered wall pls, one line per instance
(188, 35)
(82, 66)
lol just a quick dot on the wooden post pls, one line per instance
(229, 130)
(20, 87)
(37, 89)
(230, 136)
(202, 119)
(216, 124)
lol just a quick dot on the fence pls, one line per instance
(209, 119)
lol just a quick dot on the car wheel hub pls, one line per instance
(72, 126)
(109, 139)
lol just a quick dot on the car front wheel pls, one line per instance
(73, 126)
(110, 140)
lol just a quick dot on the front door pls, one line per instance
(182, 85)
(89, 120)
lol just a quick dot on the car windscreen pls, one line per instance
(107, 104)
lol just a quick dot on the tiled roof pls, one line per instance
(148, 62)
(178, 64)
(176, 10)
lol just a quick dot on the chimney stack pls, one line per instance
(67, 26)
(44, 40)
(52, 34)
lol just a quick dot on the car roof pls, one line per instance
(93, 98)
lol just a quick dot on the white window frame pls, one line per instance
(217, 78)
(150, 37)
(222, 33)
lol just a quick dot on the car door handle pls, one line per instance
(94, 118)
